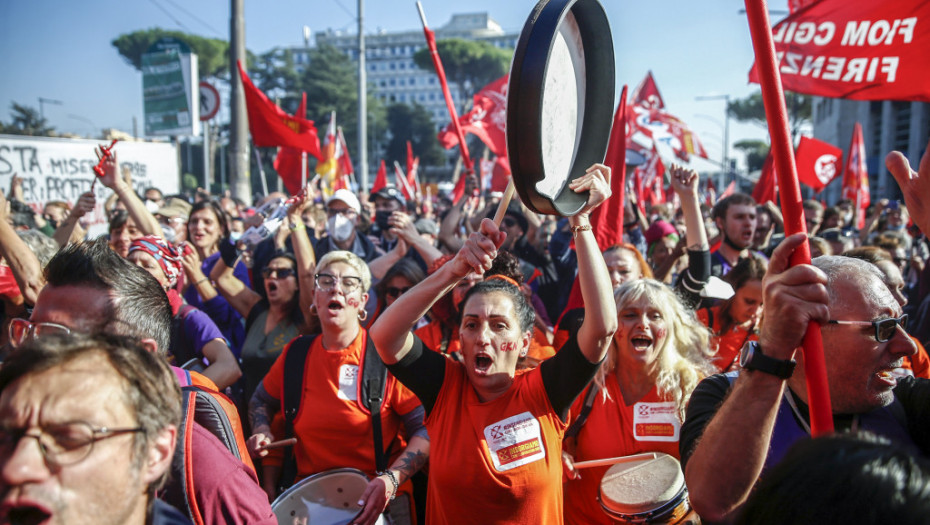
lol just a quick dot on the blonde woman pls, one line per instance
(657, 357)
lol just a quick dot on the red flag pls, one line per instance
(270, 126)
(380, 179)
(413, 169)
(486, 119)
(818, 162)
(653, 177)
(729, 190)
(450, 105)
(401, 181)
(647, 94)
(855, 50)
(797, 5)
(856, 178)
(500, 175)
(766, 188)
(288, 162)
(345, 160)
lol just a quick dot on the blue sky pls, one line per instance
(61, 50)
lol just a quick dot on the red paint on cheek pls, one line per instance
(509, 347)
(660, 333)
(353, 303)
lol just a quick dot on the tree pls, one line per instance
(412, 123)
(751, 109)
(755, 151)
(470, 64)
(26, 121)
(212, 53)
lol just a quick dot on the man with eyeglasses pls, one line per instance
(342, 216)
(88, 428)
(739, 425)
(92, 290)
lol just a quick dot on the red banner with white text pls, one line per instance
(856, 50)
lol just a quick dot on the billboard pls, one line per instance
(55, 169)
(170, 91)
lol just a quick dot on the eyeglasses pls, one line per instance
(395, 292)
(884, 328)
(326, 282)
(346, 212)
(277, 273)
(63, 444)
(22, 330)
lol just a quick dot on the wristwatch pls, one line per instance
(752, 358)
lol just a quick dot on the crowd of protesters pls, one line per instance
(486, 345)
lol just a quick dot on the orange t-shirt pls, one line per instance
(612, 430)
(728, 344)
(332, 430)
(494, 462)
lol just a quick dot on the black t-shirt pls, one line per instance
(564, 375)
(912, 393)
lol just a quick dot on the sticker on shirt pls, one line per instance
(656, 421)
(515, 441)
(348, 383)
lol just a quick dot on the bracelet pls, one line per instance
(202, 280)
(390, 474)
(294, 227)
(582, 228)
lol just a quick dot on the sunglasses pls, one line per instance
(395, 292)
(884, 328)
(278, 273)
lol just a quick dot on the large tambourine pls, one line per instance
(559, 102)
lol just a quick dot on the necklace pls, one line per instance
(803, 422)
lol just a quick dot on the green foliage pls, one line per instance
(752, 109)
(412, 123)
(26, 121)
(189, 182)
(470, 64)
(755, 151)
(212, 53)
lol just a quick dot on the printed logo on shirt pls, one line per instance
(656, 421)
(348, 383)
(514, 442)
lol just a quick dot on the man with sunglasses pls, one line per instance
(738, 425)
(88, 427)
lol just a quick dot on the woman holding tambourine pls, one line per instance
(498, 432)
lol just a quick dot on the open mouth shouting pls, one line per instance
(641, 343)
(24, 513)
(483, 363)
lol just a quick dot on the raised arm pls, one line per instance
(391, 332)
(69, 230)
(915, 185)
(685, 183)
(22, 262)
(303, 248)
(143, 218)
(236, 293)
(600, 321)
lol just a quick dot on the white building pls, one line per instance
(886, 126)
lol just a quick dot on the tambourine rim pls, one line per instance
(319, 475)
(525, 94)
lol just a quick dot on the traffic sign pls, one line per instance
(209, 101)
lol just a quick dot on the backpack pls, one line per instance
(371, 388)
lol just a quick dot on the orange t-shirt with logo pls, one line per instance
(332, 430)
(494, 462)
(728, 344)
(612, 430)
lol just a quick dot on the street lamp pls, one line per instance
(43, 101)
(726, 127)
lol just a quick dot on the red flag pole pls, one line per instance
(441, 73)
(773, 96)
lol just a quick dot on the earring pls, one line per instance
(313, 310)
(362, 317)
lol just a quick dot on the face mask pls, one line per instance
(235, 236)
(381, 219)
(339, 227)
(169, 233)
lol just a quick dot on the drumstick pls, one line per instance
(613, 461)
(505, 201)
(280, 444)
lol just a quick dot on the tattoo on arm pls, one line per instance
(261, 407)
(409, 463)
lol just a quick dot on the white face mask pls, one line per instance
(169, 233)
(235, 236)
(340, 227)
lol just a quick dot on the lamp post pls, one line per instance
(726, 127)
(43, 101)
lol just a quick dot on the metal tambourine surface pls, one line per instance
(327, 498)
(559, 102)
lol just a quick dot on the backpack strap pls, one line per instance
(373, 385)
(180, 490)
(291, 392)
(586, 407)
